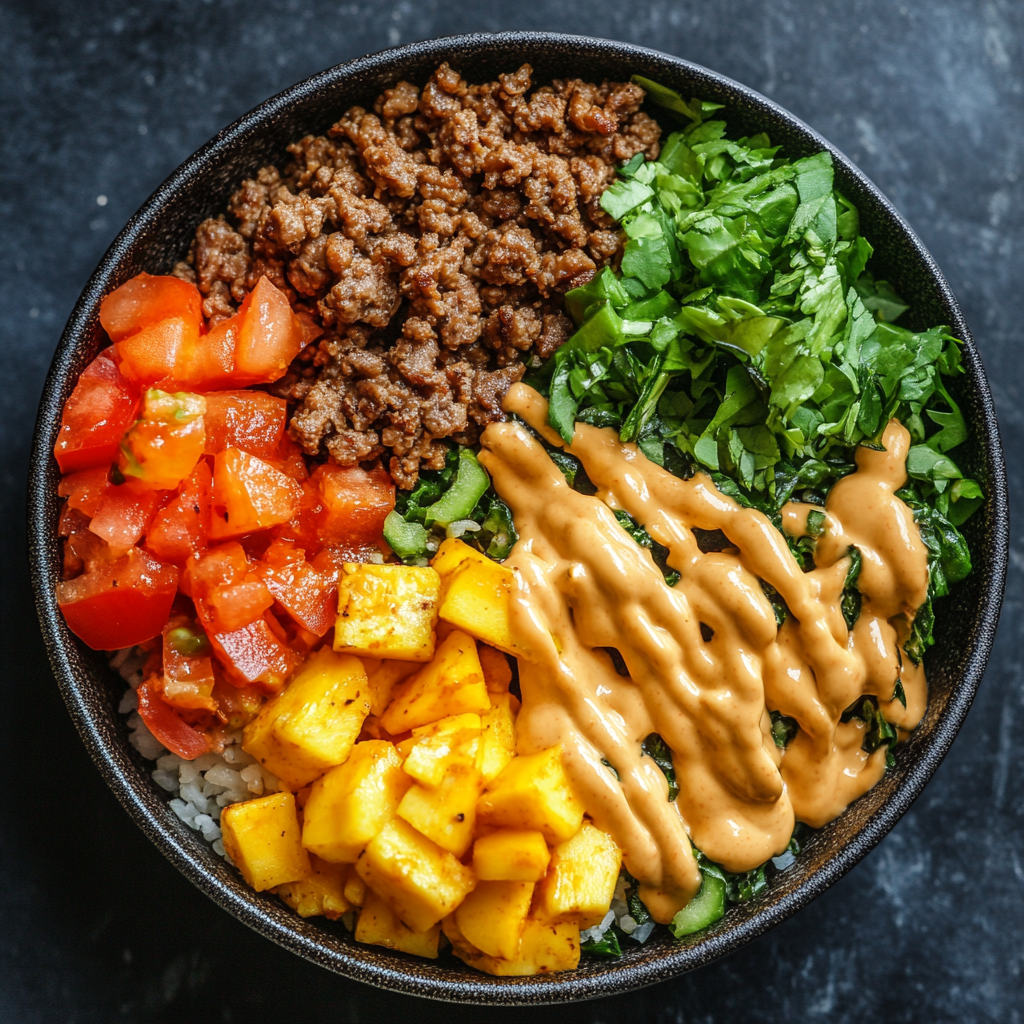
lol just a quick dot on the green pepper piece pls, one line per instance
(705, 908)
(407, 540)
(458, 502)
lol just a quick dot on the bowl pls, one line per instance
(159, 234)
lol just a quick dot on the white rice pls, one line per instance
(199, 789)
(619, 915)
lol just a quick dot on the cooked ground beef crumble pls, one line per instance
(426, 246)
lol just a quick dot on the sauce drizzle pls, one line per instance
(584, 586)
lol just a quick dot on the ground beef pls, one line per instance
(428, 242)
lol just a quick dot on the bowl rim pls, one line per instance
(117, 768)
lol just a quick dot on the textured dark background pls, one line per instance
(99, 101)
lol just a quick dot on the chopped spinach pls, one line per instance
(783, 729)
(658, 751)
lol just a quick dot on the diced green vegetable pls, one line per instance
(705, 908)
(458, 502)
(407, 540)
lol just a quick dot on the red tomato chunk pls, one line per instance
(146, 300)
(250, 420)
(355, 503)
(249, 494)
(168, 726)
(180, 528)
(119, 603)
(99, 411)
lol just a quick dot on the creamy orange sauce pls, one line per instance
(584, 585)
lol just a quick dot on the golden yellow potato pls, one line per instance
(319, 893)
(476, 599)
(378, 924)
(382, 677)
(493, 915)
(497, 670)
(580, 883)
(312, 725)
(543, 948)
(349, 805)
(262, 837)
(452, 684)
(387, 611)
(446, 813)
(498, 734)
(533, 792)
(431, 749)
(511, 854)
(419, 881)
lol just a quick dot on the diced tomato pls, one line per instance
(85, 489)
(188, 668)
(146, 300)
(237, 706)
(308, 596)
(290, 460)
(119, 603)
(269, 338)
(157, 355)
(237, 605)
(166, 442)
(210, 363)
(125, 513)
(82, 548)
(168, 726)
(180, 528)
(356, 503)
(255, 655)
(218, 567)
(250, 420)
(99, 411)
(249, 494)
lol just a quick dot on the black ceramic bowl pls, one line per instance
(159, 234)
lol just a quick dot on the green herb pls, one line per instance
(744, 333)
(607, 945)
(783, 729)
(879, 732)
(658, 551)
(851, 601)
(660, 753)
(637, 910)
(899, 693)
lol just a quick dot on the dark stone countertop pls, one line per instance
(100, 101)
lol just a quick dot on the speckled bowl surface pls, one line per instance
(160, 233)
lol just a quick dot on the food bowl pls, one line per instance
(159, 235)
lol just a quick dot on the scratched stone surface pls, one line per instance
(99, 101)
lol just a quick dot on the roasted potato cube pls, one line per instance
(445, 813)
(262, 837)
(543, 947)
(349, 805)
(533, 792)
(416, 878)
(355, 889)
(452, 684)
(451, 555)
(378, 924)
(498, 734)
(387, 611)
(493, 915)
(497, 670)
(312, 725)
(432, 749)
(476, 599)
(579, 884)
(319, 893)
(511, 854)
(382, 677)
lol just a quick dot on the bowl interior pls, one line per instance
(160, 234)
